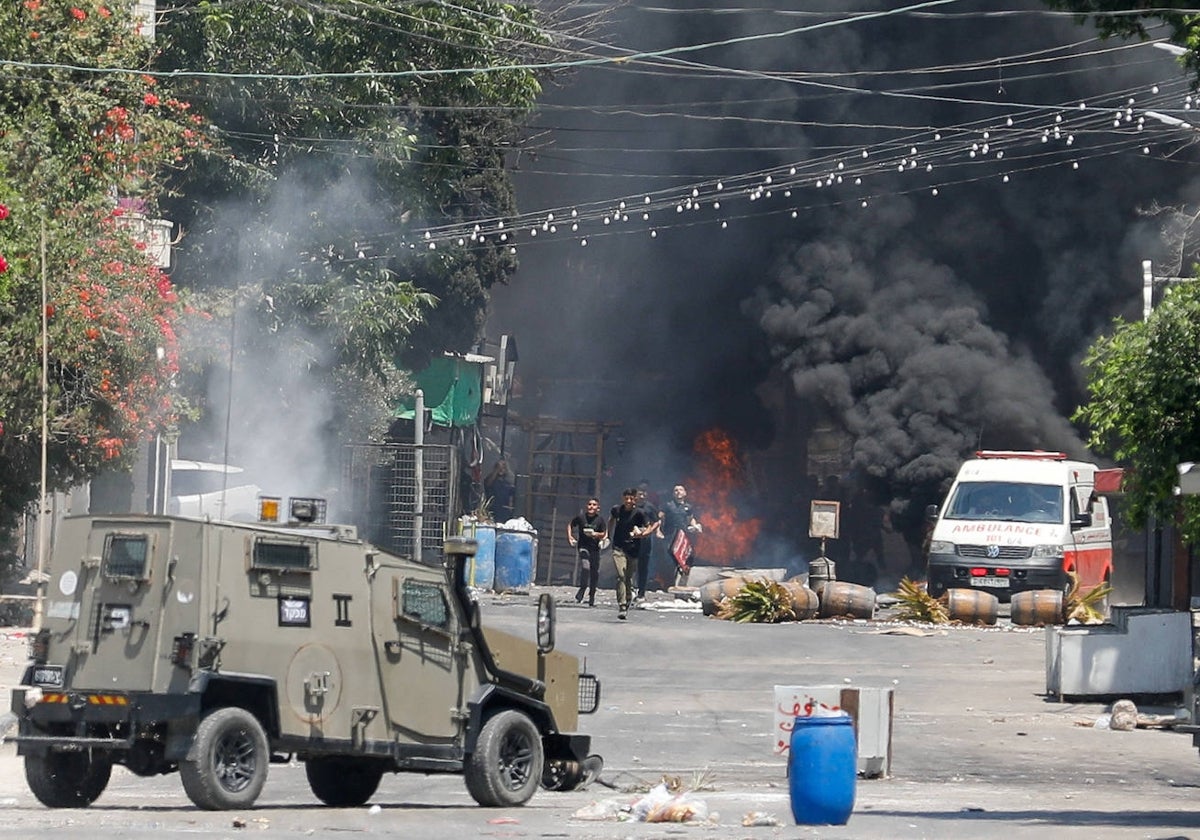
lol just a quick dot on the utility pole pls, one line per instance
(1178, 595)
(39, 604)
(1149, 281)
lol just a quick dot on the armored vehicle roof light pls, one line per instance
(268, 508)
(308, 510)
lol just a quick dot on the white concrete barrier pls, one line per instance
(870, 709)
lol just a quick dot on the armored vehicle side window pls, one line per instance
(289, 556)
(423, 602)
(125, 556)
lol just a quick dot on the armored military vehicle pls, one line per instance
(216, 648)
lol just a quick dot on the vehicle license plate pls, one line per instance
(48, 676)
(999, 582)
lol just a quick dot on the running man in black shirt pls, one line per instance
(584, 533)
(627, 525)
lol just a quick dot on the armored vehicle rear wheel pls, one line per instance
(343, 782)
(231, 757)
(67, 779)
(506, 767)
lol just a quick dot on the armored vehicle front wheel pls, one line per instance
(229, 767)
(67, 779)
(506, 766)
(343, 782)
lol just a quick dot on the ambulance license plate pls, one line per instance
(997, 582)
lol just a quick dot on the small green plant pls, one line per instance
(916, 604)
(1089, 607)
(760, 602)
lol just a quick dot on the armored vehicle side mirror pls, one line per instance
(460, 546)
(545, 623)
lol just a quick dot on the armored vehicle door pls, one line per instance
(119, 601)
(416, 631)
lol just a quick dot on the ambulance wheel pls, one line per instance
(230, 765)
(506, 766)
(343, 782)
(67, 779)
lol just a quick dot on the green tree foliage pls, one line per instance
(335, 147)
(84, 144)
(1144, 406)
(1178, 21)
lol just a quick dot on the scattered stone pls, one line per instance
(1123, 717)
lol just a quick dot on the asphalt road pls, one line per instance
(978, 751)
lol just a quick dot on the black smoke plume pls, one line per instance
(949, 313)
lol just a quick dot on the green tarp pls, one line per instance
(452, 388)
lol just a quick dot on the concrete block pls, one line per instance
(870, 709)
(1143, 650)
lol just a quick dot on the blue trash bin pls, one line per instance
(481, 571)
(514, 560)
(822, 770)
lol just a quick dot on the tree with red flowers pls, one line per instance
(86, 144)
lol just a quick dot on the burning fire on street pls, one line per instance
(720, 476)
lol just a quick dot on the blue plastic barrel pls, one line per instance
(514, 560)
(483, 571)
(822, 770)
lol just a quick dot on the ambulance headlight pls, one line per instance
(1047, 551)
(941, 547)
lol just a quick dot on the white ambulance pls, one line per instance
(1022, 520)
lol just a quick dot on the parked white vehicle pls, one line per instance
(203, 489)
(1015, 521)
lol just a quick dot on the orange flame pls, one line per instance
(720, 475)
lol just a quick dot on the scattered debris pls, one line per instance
(916, 604)
(758, 601)
(670, 800)
(604, 809)
(1123, 716)
(1145, 721)
(1081, 607)
(756, 818)
(907, 631)
(659, 805)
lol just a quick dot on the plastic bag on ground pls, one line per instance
(679, 809)
(604, 809)
(659, 806)
(655, 798)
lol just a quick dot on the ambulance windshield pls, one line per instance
(1010, 501)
